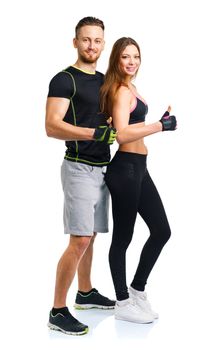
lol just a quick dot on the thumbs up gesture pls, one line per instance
(168, 121)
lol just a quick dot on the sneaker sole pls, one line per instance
(56, 328)
(134, 321)
(92, 306)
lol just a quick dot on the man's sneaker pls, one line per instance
(66, 323)
(93, 300)
(141, 300)
(128, 310)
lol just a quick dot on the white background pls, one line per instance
(180, 44)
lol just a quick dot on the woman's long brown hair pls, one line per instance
(114, 78)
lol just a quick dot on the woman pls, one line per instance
(131, 187)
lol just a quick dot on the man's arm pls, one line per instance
(56, 109)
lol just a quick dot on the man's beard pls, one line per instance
(88, 59)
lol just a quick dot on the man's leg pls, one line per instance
(60, 318)
(67, 266)
(88, 297)
(84, 268)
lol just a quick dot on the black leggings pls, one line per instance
(133, 191)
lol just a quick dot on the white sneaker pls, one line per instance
(127, 310)
(141, 300)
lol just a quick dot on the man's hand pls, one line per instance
(105, 134)
(168, 121)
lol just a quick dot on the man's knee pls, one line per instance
(78, 244)
(93, 237)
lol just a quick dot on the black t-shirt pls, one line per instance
(82, 89)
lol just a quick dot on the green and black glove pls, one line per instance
(105, 134)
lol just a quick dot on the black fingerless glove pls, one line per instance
(168, 122)
(105, 134)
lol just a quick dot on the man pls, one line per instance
(72, 114)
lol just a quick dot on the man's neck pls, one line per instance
(87, 67)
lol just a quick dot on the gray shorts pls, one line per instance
(86, 199)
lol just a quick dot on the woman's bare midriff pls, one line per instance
(135, 146)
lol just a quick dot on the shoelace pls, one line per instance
(133, 302)
(144, 298)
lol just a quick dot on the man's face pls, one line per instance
(89, 43)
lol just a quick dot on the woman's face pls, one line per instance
(129, 60)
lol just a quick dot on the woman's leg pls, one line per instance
(124, 186)
(152, 211)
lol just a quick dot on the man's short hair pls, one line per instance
(88, 21)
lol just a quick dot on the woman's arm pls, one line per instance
(121, 113)
(133, 133)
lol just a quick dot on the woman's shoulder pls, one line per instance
(123, 92)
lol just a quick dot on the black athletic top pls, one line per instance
(82, 89)
(138, 114)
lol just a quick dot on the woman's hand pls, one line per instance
(168, 121)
